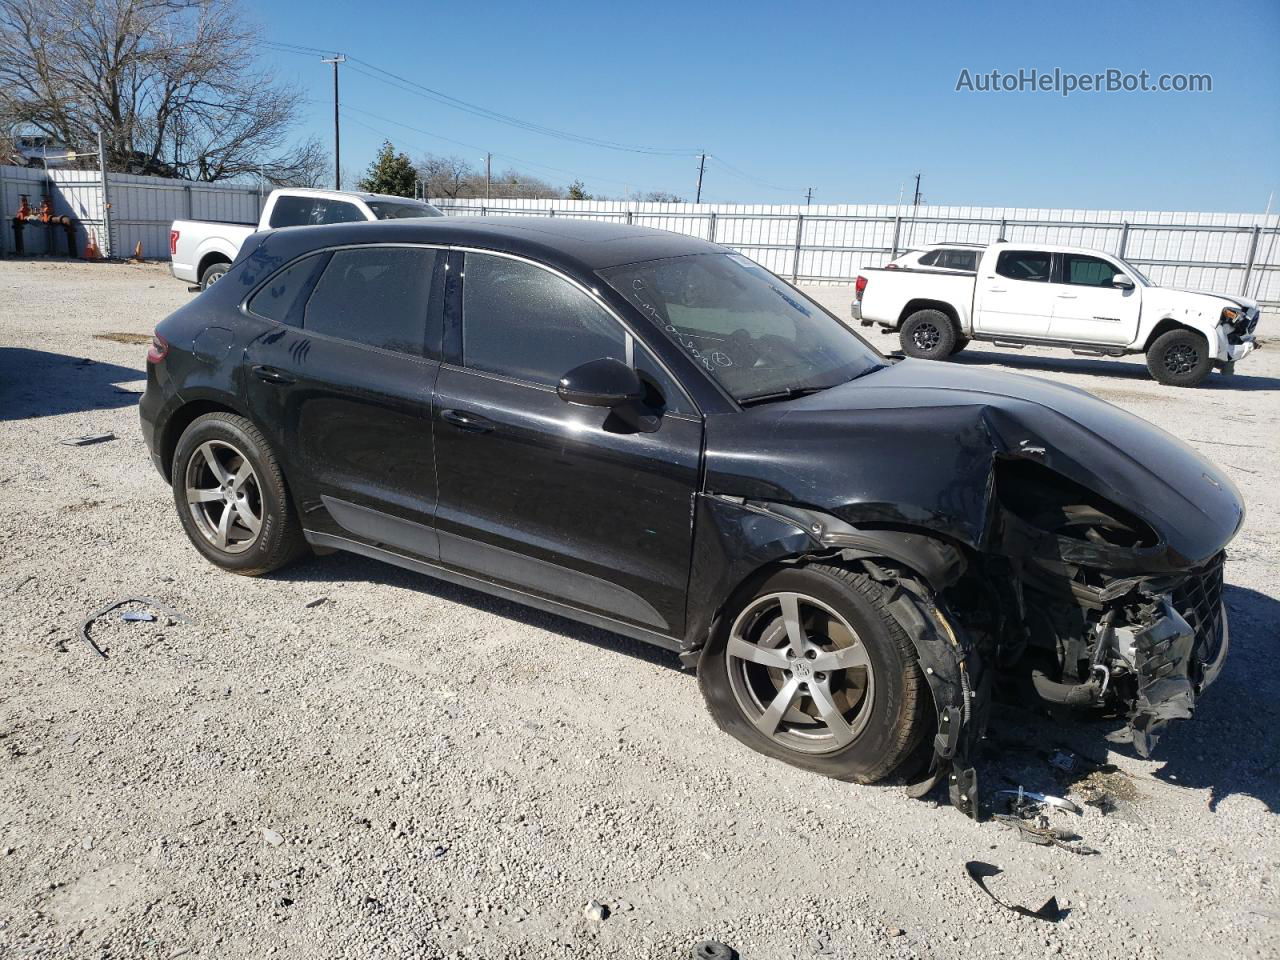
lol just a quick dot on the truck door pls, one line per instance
(1013, 293)
(1087, 308)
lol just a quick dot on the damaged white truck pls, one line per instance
(1089, 301)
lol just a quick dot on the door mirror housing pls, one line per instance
(1121, 282)
(601, 383)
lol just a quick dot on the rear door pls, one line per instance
(553, 499)
(1014, 295)
(341, 379)
(1087, 308)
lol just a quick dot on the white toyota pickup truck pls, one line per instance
(1092, 302)
(201, 251)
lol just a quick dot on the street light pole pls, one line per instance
(336, 59)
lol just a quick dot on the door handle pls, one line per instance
(470, 422)
(270, 374)
(1067, 296)
(995, 290)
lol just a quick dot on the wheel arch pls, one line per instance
(181, 418)
(210, 258)
(924, 303)
(1169, 323)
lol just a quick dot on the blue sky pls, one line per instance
(849, 99)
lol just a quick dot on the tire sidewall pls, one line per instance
(211, 274)
(946, 335)
(275, 499)
(866, 753)
(1167, 341)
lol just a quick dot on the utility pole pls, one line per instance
(916, 201)
(336, 59)
(702, 165)
(808, 197)
(488, 173)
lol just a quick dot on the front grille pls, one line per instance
(1199, 600)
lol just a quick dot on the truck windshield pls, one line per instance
(405, 210)
(759, 338)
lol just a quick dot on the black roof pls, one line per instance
(583, 245)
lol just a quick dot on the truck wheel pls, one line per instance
(1179, 358)
(813, 668)
(928, 335)
(212, 274)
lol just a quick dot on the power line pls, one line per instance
(734, 171)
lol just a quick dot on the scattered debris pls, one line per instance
(1039, 832)
(979, 871)
(23, 582)
(87, 439)
(1064, 760)
(86, 843)
(271, 837)
(896, 932)
(169, 612)
(138, 616)
(595, 910)
(127, 390)
(714, 950)
(439, 852)
(133, 339)
(1022, 797)
(316, 601)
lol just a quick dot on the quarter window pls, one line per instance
(377, 296)
(283, 297)
(1024, 265)
(1087, 271)
(521, 321)
(929, 259)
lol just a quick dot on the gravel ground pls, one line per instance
(409, 769)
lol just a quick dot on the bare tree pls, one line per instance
(445, 176)
(172, 84)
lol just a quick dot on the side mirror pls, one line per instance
(1121, 282)
(601, 383)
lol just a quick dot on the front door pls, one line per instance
(342, 382)
(1015, 297)
(558, 500)
(1087, 308)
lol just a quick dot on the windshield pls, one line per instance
(761, 339)
(1142, 277)
(402, 210)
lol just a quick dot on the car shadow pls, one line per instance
(1229, 747)
(343, 567)
(36, 383)
(1123, 369)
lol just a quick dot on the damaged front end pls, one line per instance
(1103, 622)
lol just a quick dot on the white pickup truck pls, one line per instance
(1089, 301)
(201, 251)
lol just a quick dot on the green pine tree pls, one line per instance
(578, 191)
(390, 173)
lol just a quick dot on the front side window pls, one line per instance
(521, 321)
(759, 338)
(377, 296)
(1024, 265)
(1087, 271)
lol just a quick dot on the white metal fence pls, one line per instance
(129, 210)
(1232, 253)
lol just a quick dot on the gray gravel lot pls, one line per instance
(410, 769)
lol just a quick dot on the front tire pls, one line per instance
(812, 668)
(1180, 358)
(231, 496)
(928, 335)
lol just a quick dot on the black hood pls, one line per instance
(916, 444)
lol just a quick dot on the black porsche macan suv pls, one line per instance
(653, 434)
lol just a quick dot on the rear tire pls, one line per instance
(928, 335)
(212, 274)
(838, 692)
(1180, 358)
(231, 496)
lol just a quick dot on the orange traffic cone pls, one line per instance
(137, 251)
(91, 251)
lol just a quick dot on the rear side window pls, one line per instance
(521, 321)
(1024, 265)
(377, 296)
(282, 298)
(959, 259)
(292, 211)
(336, 211)
(1087, 271)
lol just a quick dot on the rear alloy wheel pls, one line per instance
(231, 496)
(1179, 358)
(212, 274)
(928, 335)
(814, 669)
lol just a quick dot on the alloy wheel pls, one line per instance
(926, 336)
(800, 673)
(1181, 358)
(224, 496)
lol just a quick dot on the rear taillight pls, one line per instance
(173, 242)
(159, 349)
(859, 285)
